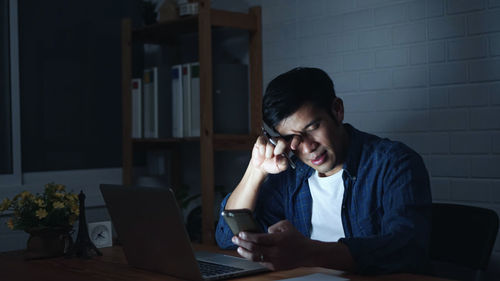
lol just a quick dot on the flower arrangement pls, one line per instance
(55, 208)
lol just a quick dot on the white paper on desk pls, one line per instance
(317, 277)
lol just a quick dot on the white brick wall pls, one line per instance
(461, 96)
(467, 48)
(484, 70)
(448, 73)
(447, 27)
(483, 22)
(391, 57)
(436, 52)
(460, 6)
(409, 33)
(426, 72)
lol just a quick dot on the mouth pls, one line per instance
(320, 159)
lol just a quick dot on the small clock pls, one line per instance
(100, 234)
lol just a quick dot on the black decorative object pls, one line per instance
(83, 247)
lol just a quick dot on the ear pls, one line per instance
(338, 109)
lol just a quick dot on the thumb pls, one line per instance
(280, 226)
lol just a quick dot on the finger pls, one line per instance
(245, 244)
(261, 140)
(279, 226)
(269, 150)
(281, 162)
(261, 239)
(250, 255)
(261, 145)
(280, 147)
(250, 250)
(295, 142)
(269, 265)
(261, 254)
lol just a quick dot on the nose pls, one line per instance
(308, 144)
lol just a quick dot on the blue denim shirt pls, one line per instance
(386, 209)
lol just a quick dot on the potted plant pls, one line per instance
(47, 217)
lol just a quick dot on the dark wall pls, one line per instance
(5, 120)
(70, 63)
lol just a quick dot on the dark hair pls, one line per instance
(289, 91)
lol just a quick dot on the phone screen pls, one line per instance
(241, 220)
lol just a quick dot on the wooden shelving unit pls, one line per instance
(165, 33)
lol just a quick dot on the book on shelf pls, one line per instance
(186, 100)
(156, 102)
(195, 100)
(177, 100)
(171, 105)
(136, 84)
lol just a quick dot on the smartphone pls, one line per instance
(241, 220)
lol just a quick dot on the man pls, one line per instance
(355, 202)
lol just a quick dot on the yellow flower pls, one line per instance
(72, 197)
(26, 195)
(39, 202)
(75, 210)
(5, 204)
(10, 224)
(41, 213)
(52, 203)
(58, 205)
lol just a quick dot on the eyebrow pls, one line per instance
(311, 123)
(304, 128)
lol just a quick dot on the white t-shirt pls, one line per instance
(327, 194)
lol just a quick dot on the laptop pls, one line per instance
(149, 225)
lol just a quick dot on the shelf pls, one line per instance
(168, 31)
(221, 142)
(162, 143)
(234, 20)
(165, 31)
(165, 140)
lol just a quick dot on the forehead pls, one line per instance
(299, 120)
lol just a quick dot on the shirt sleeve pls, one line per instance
(268, 210)
(223, 233)
(403, 242)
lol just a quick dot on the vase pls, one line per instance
(48, 242)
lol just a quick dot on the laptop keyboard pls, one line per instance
(211, 269)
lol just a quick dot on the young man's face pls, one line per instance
(317, 137)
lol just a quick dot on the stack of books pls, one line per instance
(166, 102)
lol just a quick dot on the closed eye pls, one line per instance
(309, 128)
(313, 126)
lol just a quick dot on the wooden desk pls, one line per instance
(112, 266)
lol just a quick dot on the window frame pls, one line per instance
(15, 178)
